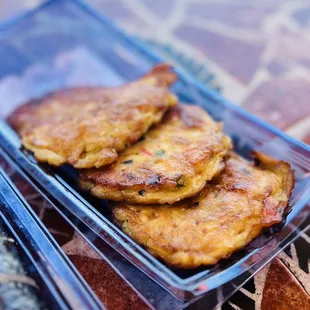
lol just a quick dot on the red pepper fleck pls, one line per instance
(192, 149)
(145, 151)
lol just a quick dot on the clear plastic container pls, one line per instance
(60, 285)
(84, 48)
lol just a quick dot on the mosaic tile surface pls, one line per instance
(259, 55)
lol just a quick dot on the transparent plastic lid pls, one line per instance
(84, 48)
(60, 285)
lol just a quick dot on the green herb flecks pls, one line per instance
(160, 153)
(126, 162)
(246, 171)
(180, 181)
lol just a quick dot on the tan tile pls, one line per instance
(282, 291)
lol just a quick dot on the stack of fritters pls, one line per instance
(177, 188)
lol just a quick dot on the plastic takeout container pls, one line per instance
(84, 48)
(60, 285)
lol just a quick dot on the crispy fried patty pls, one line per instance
(173, 162)
(231, 210)
(88, 127)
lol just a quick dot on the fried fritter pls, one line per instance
(88, 127)
(231, 211)
(173, 162)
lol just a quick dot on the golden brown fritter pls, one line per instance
(231, 211)
(173, 162)
(88, 127)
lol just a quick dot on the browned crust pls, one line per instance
(194, 150)
(19, 117)
(273, 213)
(88, 126)
(106, 176)
(228, 214)
(162, 78)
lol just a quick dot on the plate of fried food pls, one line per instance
(188, 187)
(167, 169)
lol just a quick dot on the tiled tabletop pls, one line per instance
(259, 54)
